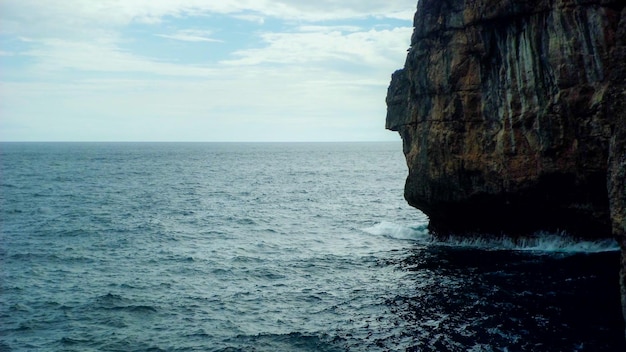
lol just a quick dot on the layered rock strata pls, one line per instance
(512, 116)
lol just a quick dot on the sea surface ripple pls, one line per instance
(271, 247)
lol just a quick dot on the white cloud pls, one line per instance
(373, 48)
(328, 28)
(66, 16)
(294, 104)
(191, 35)
(302, 79)
(251, 18)
(54, 56)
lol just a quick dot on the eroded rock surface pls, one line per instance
(512, 116)
(502, 107)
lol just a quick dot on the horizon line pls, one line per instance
(225, 141)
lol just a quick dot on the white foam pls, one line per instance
(540, 242)
(402, 232)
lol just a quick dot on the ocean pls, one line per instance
(272, 247)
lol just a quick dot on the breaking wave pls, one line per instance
(550, 242)
(539, 242)
(417, 232)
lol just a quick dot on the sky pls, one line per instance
(199, 70)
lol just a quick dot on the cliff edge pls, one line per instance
(513, 116)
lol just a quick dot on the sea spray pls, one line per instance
(560, 242)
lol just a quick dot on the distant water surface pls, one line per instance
(271, 247)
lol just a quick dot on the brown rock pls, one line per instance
(509, 112)
(502, 110)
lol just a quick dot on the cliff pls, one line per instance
(617, 151)
(513, 116)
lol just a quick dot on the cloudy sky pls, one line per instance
(199, 70)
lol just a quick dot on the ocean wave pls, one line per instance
(294, 341)
(541, 242)
(400, 232)
(116, 302)
(550, 242)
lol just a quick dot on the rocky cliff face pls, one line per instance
(617, 151)
(513, 116)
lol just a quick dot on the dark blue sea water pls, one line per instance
(271, 247)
